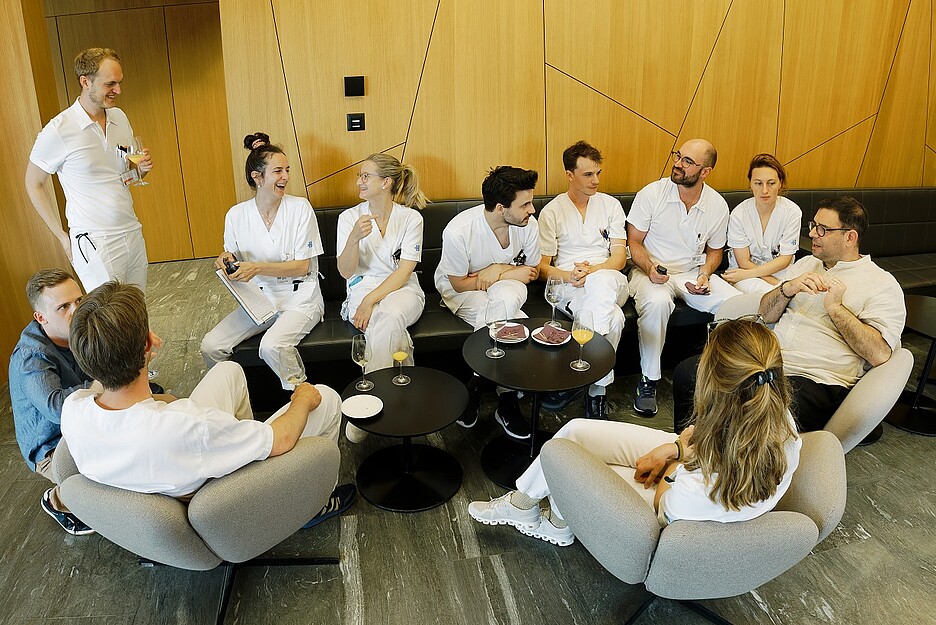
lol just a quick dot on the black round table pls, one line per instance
(913, 411)
(532, 368)
(410, 477)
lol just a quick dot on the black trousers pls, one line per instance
(813, 403)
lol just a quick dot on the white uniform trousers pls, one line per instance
(225, 387)
(754, 285)
(604, 293)
(655, 304)
(512, 292)
(99, 257)
(396, 312)
(277, 347)
(614, 443)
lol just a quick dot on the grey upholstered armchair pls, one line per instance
(691, 560)
(868, 402)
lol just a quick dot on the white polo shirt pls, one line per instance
(564, 234)
(676, 239)
(812, 346)
(379, 255)
(469, 245)
(155, 447)
(89, 165)
(780, 238)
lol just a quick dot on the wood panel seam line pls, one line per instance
(890, 71)
(833, 137)
(928, 147)
(605, 95)
(422, 70)
(545, 107)
(403, 143)
(292, 116)
(705, 68)
(929, 104)
(780, 79)
(98, 12)
(65, 73)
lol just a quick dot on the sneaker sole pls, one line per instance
(549, 539)
(467, 426)
(43, 503)
(517, 524)
(644, 413)
(503, 424)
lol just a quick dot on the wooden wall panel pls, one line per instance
(895, 153)
(832, 164)
(384, 41)
(72, 7)
(736, 105)
(256, 87)
(634, 150)
(58, 67)
(649, 56)
(481, 99)
(40, 57)
(836, 56)
(339, 189)
(931, 108)
(929, 167)
(139, 37)
(194, 37)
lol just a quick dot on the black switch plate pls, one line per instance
(355, 121)
(353, 86)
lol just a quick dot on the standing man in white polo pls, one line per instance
(677, 229)
(87, 146)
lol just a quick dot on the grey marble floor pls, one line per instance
(439, 566)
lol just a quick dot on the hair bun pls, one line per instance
(252, 142)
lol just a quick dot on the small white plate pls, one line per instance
(361, 406)
(526, 334)
(535, 336)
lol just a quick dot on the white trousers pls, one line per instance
(225, 387)
(754, 285)
(655, 304)
(394, 313)
(616, 444)
(604, 293)
(99, 257)
(277, 347)
(512, 292)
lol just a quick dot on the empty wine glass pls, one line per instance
(135, 155)
(495, 316)
(583, 329)
(554, 296)
(361, 354)
(291, 366)
(400, 349)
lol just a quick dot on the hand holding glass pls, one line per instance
(400, 349)
(495, 316)
(136, 155)
(361, 354)
(554, 296)
(582, 331)
(291, 366)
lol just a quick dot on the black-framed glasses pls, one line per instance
(821, 230)
(685, 160)
(754, 318)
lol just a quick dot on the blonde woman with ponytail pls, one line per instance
(734, 462)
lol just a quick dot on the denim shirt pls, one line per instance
(42, 375)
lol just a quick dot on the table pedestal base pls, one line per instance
(504, 459)
(919, 420)
(409, 477)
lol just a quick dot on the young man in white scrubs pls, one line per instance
(87, 146)
(583, 241)
(676, 230)
(491, 251)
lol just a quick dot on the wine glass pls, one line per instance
(361, 354)
(554, 296)
(136, 155)
(583, 329)
(495, 316)
(400, 349)
(291, 366)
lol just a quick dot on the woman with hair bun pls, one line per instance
(733, 464)
(274, 241)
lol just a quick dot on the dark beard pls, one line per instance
(686, 181)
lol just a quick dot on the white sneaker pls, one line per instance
(354, 433)
(500, 511)
(561, 536)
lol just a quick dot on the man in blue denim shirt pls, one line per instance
(43, 372)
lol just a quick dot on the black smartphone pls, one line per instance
(229, 267)
(660, 269)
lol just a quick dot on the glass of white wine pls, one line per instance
(291, 366)
(554, 296)
(361, 354)
(400, 349)
(583, 329)
(495, 316)
(136, 155)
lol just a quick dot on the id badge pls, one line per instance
(698, 259)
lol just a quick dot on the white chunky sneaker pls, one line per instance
(561, 536)
(500, 511)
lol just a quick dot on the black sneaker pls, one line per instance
(469, 417)
(69, 522)
(559, 399)
(596, 407)
(511, 419)
(341, 499)
(645, 402)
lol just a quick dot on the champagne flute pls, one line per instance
(399, 350)
(136, 156)
(583, 329)
(361, 354)
(291, 366)
(554, 296)
(495, 316)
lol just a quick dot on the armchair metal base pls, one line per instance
(231, 569)
(696, 607)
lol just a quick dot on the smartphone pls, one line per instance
(229, 267)
(692, 287)
(661, 270)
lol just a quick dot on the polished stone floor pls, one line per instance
(439, 566)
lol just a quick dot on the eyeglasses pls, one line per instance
(685, 160)
(752, 318)
(365, 176)
(821, 230)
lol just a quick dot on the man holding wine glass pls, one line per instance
(582, 237)
(89, 146)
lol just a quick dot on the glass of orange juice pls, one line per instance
(400, 350)
(583, 329)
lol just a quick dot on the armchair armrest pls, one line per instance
(818, 488)
(738, 306)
